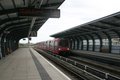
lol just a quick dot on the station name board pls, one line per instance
(47, 13)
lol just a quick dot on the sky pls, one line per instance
(74, 13)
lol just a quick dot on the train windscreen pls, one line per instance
(63, 43)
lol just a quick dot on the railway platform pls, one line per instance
(27, 64)
(98, 54)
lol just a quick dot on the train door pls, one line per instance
(55, 45)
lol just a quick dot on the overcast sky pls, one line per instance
(76, 12)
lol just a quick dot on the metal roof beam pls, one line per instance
(110, 23)
(85, 33)
(4, 9)
(13, 1)
(102, 27)
(20, 26)
(8, 11)
(23, 22)
(87, 29)
(9, 20)
(51, 5)
(13, 24)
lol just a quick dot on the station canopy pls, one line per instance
(106, 27)
(23, 18)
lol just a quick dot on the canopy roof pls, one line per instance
(14, 25)
(105, 27)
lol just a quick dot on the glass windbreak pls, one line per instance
(90, 44)
(63, 43)
(115, 45)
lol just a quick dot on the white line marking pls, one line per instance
(55, 68)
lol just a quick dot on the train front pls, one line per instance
(63, 47)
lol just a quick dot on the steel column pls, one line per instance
(81, 42)
(93, 47)
(110, 41)
(87, 42)
(101, 42)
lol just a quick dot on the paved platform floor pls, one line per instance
(27, 64)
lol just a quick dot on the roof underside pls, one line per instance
(108, 26)
(14, 25)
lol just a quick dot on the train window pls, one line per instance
(56, 43)
(63, 43)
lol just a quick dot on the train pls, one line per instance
(56, 46)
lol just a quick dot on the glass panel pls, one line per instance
(63, 43)
(97, 45)
(76, 44)
(84, 44)
(115, 45)
(90, 45)
(105, 47)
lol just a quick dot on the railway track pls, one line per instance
(104, 68)
(83, 71)
(81, 74)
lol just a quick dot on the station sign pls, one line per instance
(33, 12)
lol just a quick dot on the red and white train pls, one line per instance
(57, 46)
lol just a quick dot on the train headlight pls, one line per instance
(68, 49)
(59, 49)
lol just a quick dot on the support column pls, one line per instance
(87, 42)
(3, 45)
(110, 41)
(93, 46)
(81, 43)
(78, 43)
(101, 42)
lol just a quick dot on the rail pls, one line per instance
(89, 70)
(82, 74)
